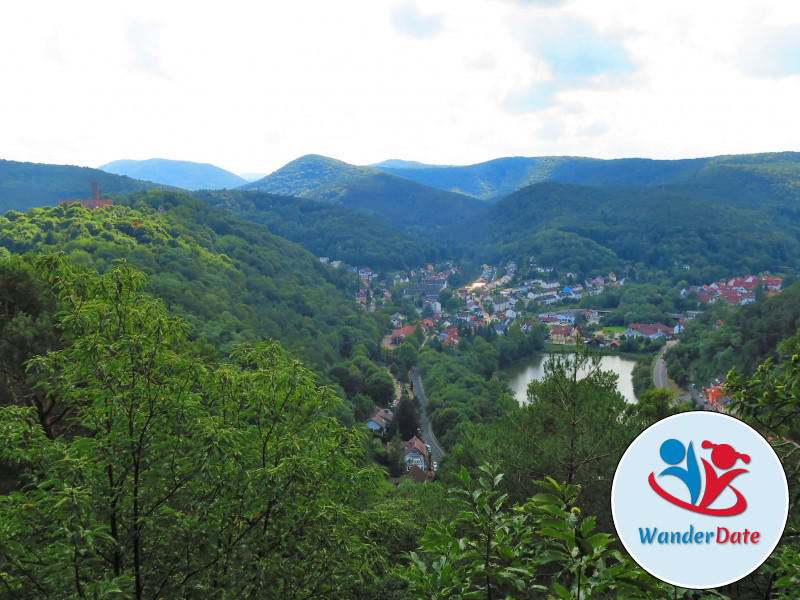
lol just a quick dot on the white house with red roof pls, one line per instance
(415, 452)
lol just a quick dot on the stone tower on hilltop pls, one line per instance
(96, 201)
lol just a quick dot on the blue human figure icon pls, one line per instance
(672, 452)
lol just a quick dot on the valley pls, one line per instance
(364, 286)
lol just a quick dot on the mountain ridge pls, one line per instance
(184, 174)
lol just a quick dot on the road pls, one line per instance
(437, 452)
(661, 380)
(660, 373)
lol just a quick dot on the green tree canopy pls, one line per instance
(179, 478)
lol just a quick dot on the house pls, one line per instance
(564, 334)
(417, 475)
(415, 453)
(398, 320)
(647, 330)
(592, 317)
(745, 283)
(401, 334)
(428, 287)
(380, 420)
(549, 300)
(704, 296)
(773, 284)
(501, 305)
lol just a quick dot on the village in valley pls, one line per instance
(501, 299)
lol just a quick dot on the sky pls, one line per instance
(251, 85)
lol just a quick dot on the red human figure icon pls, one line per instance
(724, 457)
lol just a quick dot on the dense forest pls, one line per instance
(660, 227)
(331, 230)
(26, 185)
(230, 280)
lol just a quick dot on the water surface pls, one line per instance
(532, 368)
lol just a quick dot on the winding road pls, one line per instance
(437, 452)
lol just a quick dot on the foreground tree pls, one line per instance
(543, 548)
(179, 479)
(769, 400)
(574, 427)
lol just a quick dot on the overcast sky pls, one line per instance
(252, 85)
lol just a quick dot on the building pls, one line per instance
(380, 420)
(415, 452)
(96, 201)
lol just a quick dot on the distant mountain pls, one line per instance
(24, 185)
(497, 178)
(405, 204)
(723, 221)
(395, 163)
(303, 176)
(250, 177)
(177, 173)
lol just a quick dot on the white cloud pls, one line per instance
(250, 85)
(143, 41)
(772, 52)
(408, 19)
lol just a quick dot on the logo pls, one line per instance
(699, 500)
(723, 457)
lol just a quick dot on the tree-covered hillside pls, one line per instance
(24, 185)
(178, 173)
(231, 279)
(404, 204)
(660, 227)
(497, 178)
(302, 176)
(331, 230)
(724, 337)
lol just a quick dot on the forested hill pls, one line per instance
(331, 230)
(497, 178)
(24, 185)
(405, 204)
(179, 173)
(231, 279)
(745, 337)
(580, 228)
(302, 176)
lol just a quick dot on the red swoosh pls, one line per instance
(737, 508)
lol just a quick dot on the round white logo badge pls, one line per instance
(699, 500)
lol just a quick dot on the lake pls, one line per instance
(532, 368)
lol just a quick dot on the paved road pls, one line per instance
(660, 373)
(661, 381)
(427, 431)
